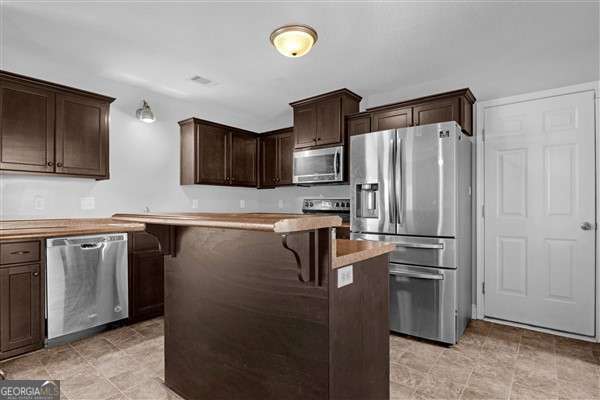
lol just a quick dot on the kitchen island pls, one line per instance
(272, 306)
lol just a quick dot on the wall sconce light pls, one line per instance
(145, 113)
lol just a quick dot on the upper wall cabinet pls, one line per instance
(216, 154)
(53, 129)
(451, 106)
(276, 153)
(319, 121)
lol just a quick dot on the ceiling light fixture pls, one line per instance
(145, 114)
(294, 40)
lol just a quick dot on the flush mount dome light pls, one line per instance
(145, 113)
(294, 40)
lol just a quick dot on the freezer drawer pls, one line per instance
(424, 251)
(423, 302)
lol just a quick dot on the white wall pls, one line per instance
(144, 159)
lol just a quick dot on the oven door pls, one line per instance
(319, 166)
(423, 302)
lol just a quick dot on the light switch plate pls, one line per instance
(88, 203)
(242, 203)
(280, 203)
(345, 276)
(195, 203)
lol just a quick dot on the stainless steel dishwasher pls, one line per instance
(87, 283)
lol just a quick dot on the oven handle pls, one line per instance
(417, 275)
(438, 246)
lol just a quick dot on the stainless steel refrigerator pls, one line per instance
(412, 187)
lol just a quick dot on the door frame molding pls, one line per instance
(479, 176)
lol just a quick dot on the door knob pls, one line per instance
(586, 226)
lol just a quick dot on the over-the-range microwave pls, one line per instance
(319, 165)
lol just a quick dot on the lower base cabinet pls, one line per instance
(146, 292)
(21, 298)
(146, 272)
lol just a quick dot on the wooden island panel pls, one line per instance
(258, 315)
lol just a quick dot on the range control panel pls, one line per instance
(334, 205)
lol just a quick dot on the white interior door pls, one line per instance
(539, 193)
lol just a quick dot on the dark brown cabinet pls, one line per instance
(451, 106)
(21, 298)
(81, 135)
(319, 121)
(146, 271)
(216, 154)
(26, 128)
(243, 158)
(276, 158)
(392, 119)
(53, 129)
(358, 124)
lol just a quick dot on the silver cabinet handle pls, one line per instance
(586, 226)
(436, 246)
(417, 275)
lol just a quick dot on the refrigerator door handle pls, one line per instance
(398, 183)
(436, 246)
(416, 275)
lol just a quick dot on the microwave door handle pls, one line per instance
(417, 275)
(337, 163)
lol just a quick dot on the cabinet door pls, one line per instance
(268, 161)
(437, 111)
(243, 159)
(20, 310)
(285, 159)
(211, 155)
(81, 135)
(26, 128)
(305, 126)
(329, 129)
(147, 295)
(357, 126)
(392, 119)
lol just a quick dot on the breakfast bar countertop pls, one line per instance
(44, 228)
(266, 222)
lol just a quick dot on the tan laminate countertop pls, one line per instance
(269, 222)
(353, 251)
(42, 228)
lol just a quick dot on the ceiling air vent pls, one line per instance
(202, 80)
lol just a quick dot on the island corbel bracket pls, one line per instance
(306, 254)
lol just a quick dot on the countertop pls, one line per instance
(42, 228)
(268, 222)
(353, 251)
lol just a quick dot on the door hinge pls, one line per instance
(482, 287)
(483, 211)
(483, 134)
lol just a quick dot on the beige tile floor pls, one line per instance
(490, 362)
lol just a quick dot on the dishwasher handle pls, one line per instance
(91, 246)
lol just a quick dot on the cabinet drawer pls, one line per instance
(19, 252)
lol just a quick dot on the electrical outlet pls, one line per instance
(345, 276)
(88, 203)
(280, 203)
(242, 203)
(195, 203)
(39, 203)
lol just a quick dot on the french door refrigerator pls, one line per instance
(412, 187)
